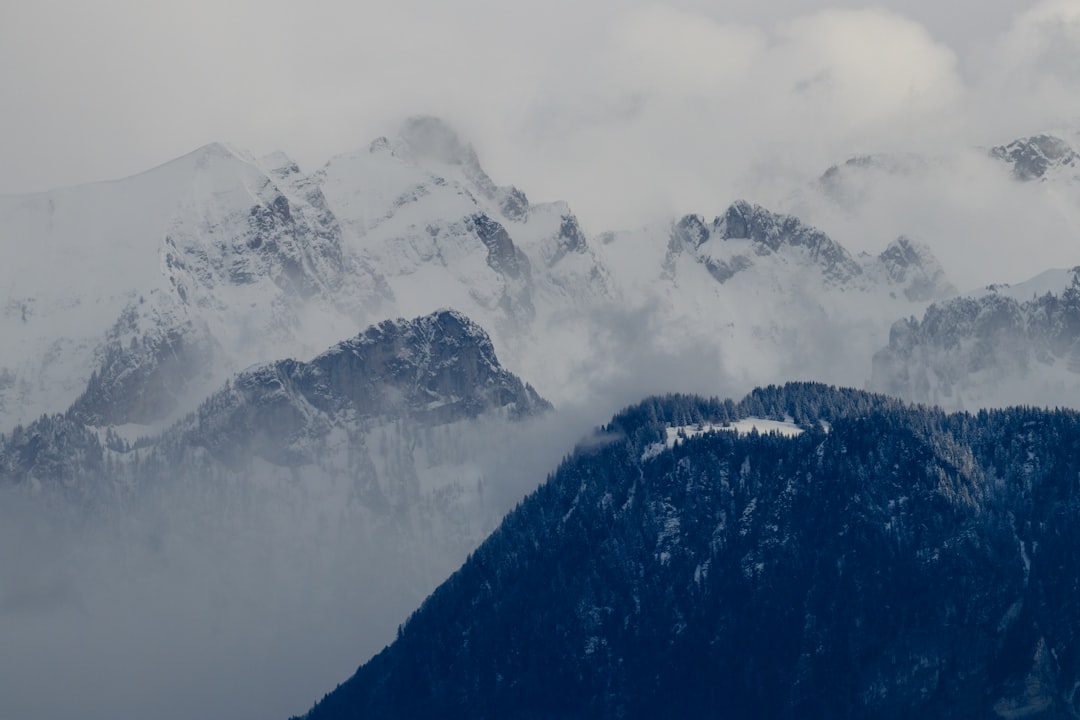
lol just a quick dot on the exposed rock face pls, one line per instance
(571, 238)
(195, 268)
(905, 266)
(146, 380)
(223, 259)
(773, 233)
(980, 350)
(427, 372)
(913, 267)
(1033, 157)
(503, 257)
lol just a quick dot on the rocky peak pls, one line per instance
(431, 139)
(691, 231)
(379, 144)
(513, 203)
(911, 264)
(435, 369)
(900, 163)
(213, 151)
(443, 365)
(571, 237)
(1032, 157)
(736, 222)
(771, 232)
(503, 257)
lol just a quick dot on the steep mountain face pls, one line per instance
(432, 371)
(437, 370)
(772, 296)
(960, 200)
(420, 208)
(172, 281)
(156, 288)
(179, 277)
(1038, 157)
(768, 233)
(904, 266)
(889, 561)
(1005, 345)
(364, 476)
(911, 265)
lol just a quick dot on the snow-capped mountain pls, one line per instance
(848, 184)
(1040, 157)
(421, 210)
(1044, 157)
(772, 296)
(155, 288)
(434, 371)
(136, 298)
(162, 284)
(990, 213)
(1002, 345)
(165, 358)
(391, 429)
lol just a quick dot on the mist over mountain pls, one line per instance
(1040, 157)
(1004, 345)
(216, 446)
(216, 261)
(359, 479)
(373, 275)
(997, 213)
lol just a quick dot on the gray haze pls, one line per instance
(209, 600)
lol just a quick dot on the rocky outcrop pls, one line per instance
(969, 350)
(1033, 157)
(433, 370)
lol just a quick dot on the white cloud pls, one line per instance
(865, 69)
(1031, 78)
(629, 110)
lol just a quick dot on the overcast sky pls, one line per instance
(629, 110)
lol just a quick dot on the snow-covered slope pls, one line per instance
(175, 277)
(155, 288)
(421, 209)
(998, 346)
(435, 370)
(133, 299)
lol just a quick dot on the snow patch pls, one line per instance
(763, 426)
(739, 427)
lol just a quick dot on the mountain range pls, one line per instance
(155, 289)
(205, 346)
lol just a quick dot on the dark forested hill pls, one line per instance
(889, 562)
